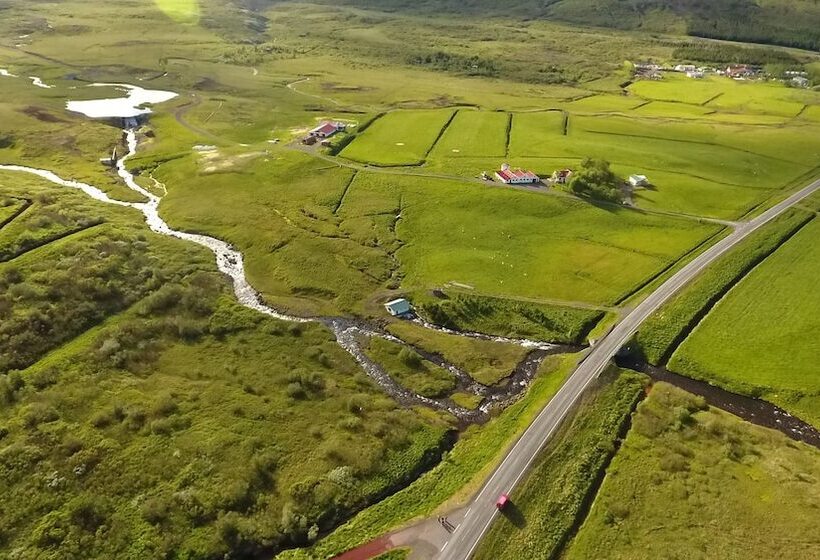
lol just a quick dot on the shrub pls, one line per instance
(595, 179)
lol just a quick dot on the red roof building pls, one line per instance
(327, 129)
(510, 176)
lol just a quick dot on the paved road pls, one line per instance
(482, 511)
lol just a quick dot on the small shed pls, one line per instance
(398, 307)
(638, 180)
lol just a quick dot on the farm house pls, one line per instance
(561, 176)
(510, 176)
(327, 129)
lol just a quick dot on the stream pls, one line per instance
(756, 411)
(347, 331)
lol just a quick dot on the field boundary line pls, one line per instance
(48, 241)
(509, 134)
(344, 192)
(705, 103)
(440, 135)
(27, 203)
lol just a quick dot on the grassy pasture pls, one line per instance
(399, 138)
(668, 109)
(475, 134)
(675, 87)
(535, 134)
(527, 244)
(604, 103)
(757, 339)
(717, 483)
(544, 506)
(661, 332)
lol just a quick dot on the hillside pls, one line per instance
(791, 23)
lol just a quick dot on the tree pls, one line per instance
(594, 179)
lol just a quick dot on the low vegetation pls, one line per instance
(478, 450)
(487, 361)
(547, 506)
(690, 479)
(411, 370)
(149, 414)
(510, 318)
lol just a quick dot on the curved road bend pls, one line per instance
(482, 511)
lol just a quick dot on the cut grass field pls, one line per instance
(475, 134)
(399, 138)
(695, 482)
(546, 506)
(665, 329)
(525, 245)
(759, 339)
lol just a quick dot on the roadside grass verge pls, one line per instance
(660, 335)
(548, 506)
(690, 479)
(759, 339)
(478, 451)
(515, 319)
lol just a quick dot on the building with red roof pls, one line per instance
(510, 176)
(327, 129)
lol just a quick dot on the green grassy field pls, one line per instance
(199, 429)
(475, 134)
(663, 331)
(757, 339)
(695, 482)
(544, 507)
(399, 138)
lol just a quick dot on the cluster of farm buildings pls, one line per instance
(510, 176)
(653, 71)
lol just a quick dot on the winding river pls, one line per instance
(348, 332)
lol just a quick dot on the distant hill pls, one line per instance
(793, 23)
